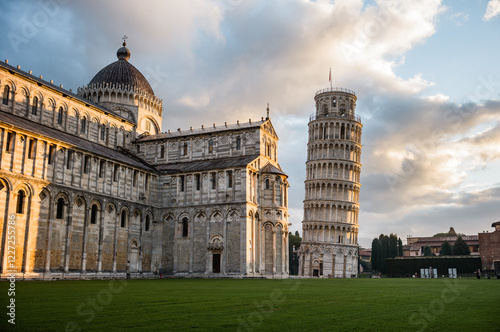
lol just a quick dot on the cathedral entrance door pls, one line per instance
(134, 253)
(216, 263)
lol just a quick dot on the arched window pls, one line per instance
(185, 149)
(34, 106)
(93, 214)
(102, 168)
(20, 202)
(182, 182)
(334, 102)
(60, 208)
(115, 173)
(103, 132)
(229, 179)
(267, 183)
(83, 125)
(123, 219)
(185, 227)
(6, 92)
(147, 223)
(238, 143)
(60, 116)
(162, 151)
(210, 146)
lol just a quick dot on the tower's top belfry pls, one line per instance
(335, 102)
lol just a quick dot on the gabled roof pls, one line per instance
(272, 169)
(75, 141)
(204, 165)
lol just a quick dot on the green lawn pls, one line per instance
(257, 305)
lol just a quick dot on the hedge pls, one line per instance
(406, 266)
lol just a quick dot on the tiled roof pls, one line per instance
(203, 165)
(122, 72)
(75, 141)
(272, 169)
(61, 90)
(205, 130)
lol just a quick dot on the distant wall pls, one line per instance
(402, 266)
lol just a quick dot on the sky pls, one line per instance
(426, 75)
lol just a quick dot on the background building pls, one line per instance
(415, 245)
(330, 226)
(489, 247)
(91, 186)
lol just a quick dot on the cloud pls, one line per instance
(492, 10)
(459, 18)
(216, 61)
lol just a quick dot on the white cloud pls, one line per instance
(224, 60)
(492, 10)
(459, 18)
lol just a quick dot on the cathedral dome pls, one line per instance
(122, 73)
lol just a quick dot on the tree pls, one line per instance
(451, 232)
(460, 247)
(446, 249)
(400, 247)
(427, 251)
(384, 241)
(367, 267)
(376, 254)
(393, 246)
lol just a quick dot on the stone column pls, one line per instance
(262, 246)
(274, 249)
(48, 234)
(101, 239)
(333, 263)
(85, 236)
(191, 243)
(68, 236)
(115, 240)
(27, 245)
(345, 265)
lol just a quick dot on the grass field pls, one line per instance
(257, 305)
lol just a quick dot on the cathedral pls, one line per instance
(90, 186)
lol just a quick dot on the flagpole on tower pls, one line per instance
(330, 78)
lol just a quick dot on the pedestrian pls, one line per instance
(478, 274)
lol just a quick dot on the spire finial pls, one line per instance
(124, 40)
(267, 111)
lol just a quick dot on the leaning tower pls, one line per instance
(330, 226)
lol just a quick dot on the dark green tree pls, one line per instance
(376, 254)
(393, 246)
(367, 267)
(427, 251)
(451, 232)
(293, 257)
(400, 247)
(460, 247)
(446, 249)
(384, 241)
